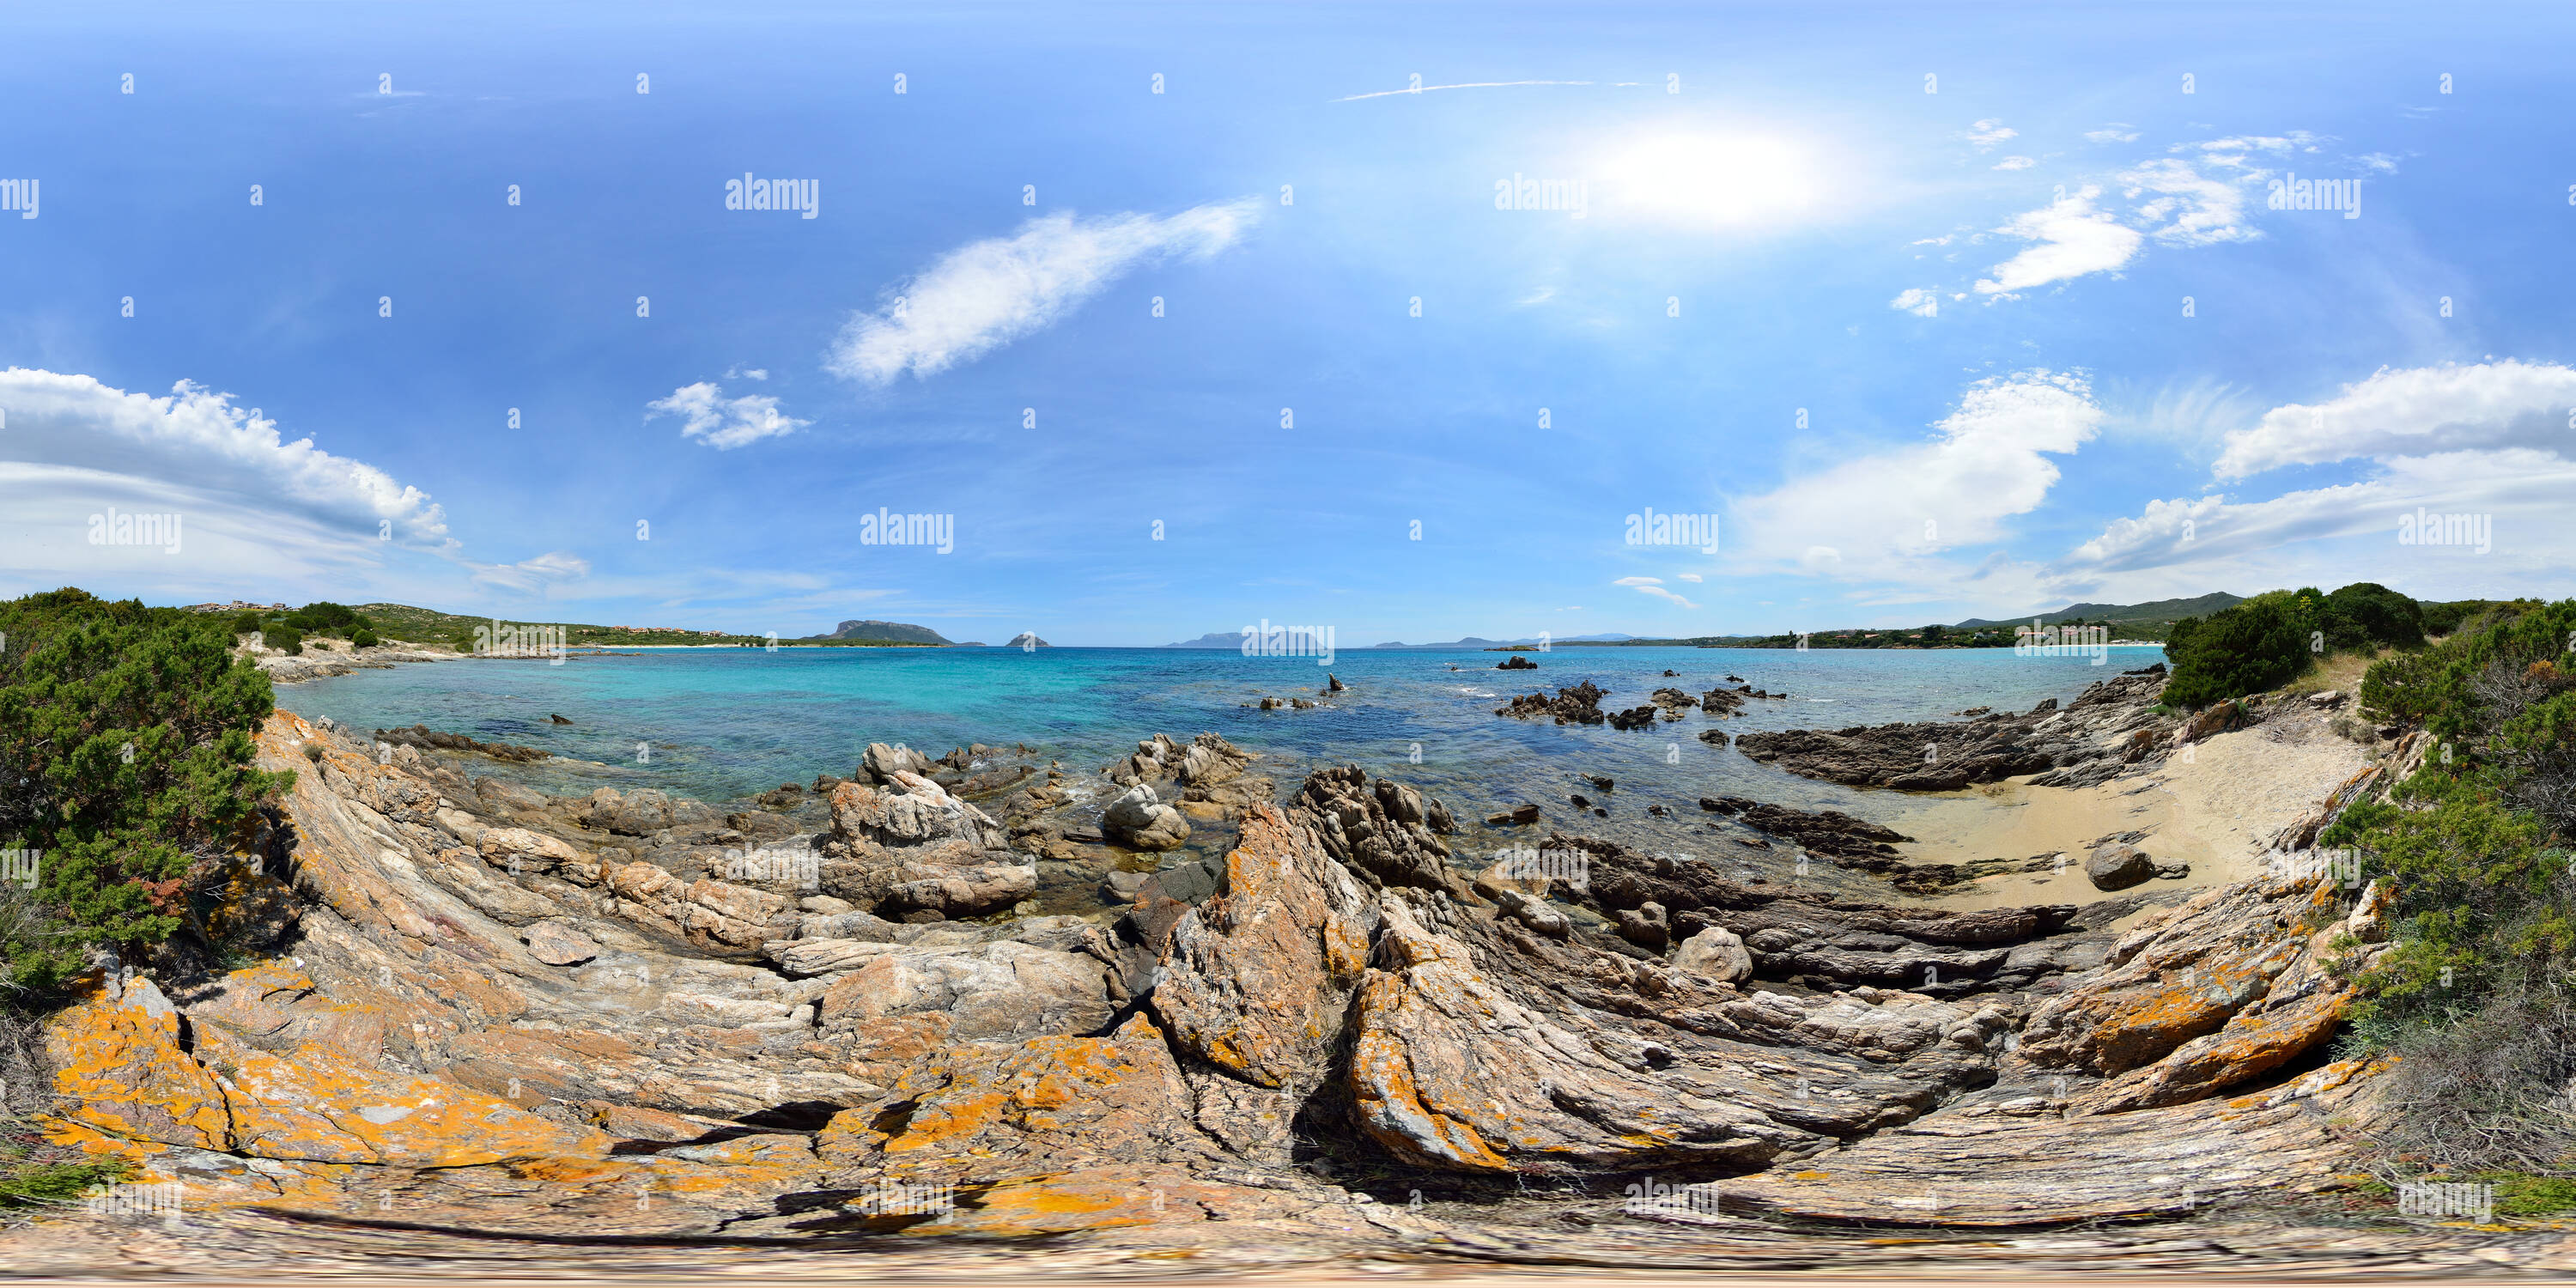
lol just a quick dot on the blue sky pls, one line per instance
(1922, 355)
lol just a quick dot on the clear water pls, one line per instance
(721, 724)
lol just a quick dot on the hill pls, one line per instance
(889, 632)
(2159, 612)
(429, 626)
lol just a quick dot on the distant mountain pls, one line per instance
(1474, 641)
(1213, 639)
(2158, 611)
(898, 632)
(1026, 638)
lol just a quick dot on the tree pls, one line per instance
(2366, 614)
(125, 758)
(2254, 646)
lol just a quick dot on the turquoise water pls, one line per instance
(720, 724)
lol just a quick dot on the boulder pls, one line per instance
(557, 944)
(1139, 820)
(1717, 954)
(2117, 866)
(882, 762)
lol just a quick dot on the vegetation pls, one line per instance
(125, 783)
(2275, 637)
(125, 766)
(2477, 993)
(428, 626)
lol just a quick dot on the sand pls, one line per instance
(2215, 805)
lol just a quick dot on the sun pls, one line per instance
(1708, 179)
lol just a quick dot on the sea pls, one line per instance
(722, 724)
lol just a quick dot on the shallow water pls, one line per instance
(721, 724)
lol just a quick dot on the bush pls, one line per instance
(2366, 614)
(285, 639)
(125, 759)
(322, 617)
(246, 623)
(363, 638)
(2254, 646)
(2477, 992)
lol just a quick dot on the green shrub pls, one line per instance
(2254, 646)
(285, 639)
(2476, 994)
(245, 623)
(322, 617)
(2366, 614)
(363, 638)
(125, 759)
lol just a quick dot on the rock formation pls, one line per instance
(485, 1015)
(2091, 739)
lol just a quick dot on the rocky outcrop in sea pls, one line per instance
(2103, 732)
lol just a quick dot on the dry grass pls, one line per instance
(2340, 671)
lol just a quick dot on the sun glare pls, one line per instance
(1711, 180)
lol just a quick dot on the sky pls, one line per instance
(1413, 321)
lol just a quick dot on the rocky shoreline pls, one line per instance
(870, 1008)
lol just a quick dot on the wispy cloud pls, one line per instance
(2115, 132)
(1653, 586)
(986, 294)
(1918, 301)
(1391, 93)
(720, 422)
(2070, 238)
(1987, 133)
(530, 576)
(2416, 410)
(1877, 515)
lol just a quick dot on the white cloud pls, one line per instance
(1653, 586)
(720, 422)
(2071, 239)
(2015, 163)
(1691, 577)
(2421, 409)
(1879, 514)
(1917, 301)
(2187, 208)
(530, 576)
(2379, 161)
(2334, 535)
(1987, 133)
(740, 372)
(984, 295)
(2115, 132)
(259, 516)
(197, 439)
